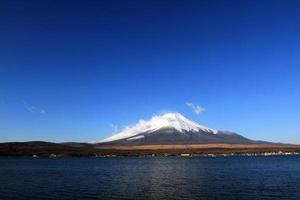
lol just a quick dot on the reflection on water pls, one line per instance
(150, 178)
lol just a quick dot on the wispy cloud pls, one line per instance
(114, 128)
(196, 108)
(33, 109)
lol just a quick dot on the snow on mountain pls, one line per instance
(168, 120)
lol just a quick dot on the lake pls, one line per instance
(273, 177)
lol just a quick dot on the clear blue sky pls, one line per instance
(69, 69)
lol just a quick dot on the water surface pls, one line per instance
(275, 177)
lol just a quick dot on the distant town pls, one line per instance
(53, 150)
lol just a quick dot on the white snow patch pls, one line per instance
(136, 137)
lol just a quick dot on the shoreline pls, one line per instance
(156, 156)
(45, 149)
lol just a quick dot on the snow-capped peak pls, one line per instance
(168, 120)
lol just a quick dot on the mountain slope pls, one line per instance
(170, 120)
(172, 128)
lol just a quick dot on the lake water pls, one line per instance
(275, 177)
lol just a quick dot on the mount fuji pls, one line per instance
(173, 128)
(170, 133)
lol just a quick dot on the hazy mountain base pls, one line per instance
(173, 136)
(84, 149)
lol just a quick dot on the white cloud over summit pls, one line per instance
(196, 108)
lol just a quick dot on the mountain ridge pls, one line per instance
(171, 120)
(173, 128)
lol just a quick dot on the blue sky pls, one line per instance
(70, 69)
